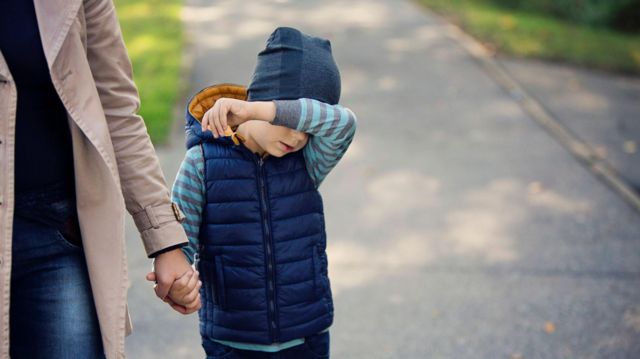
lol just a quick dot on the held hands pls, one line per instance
(177, 283)
(231, 112)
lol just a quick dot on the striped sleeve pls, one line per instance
(189, 193)
(332, 128)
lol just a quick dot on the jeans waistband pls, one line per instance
(52, 205)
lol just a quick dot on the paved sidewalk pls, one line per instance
(601, 109)
(457, 227)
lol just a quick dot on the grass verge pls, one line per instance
(152, 31)
(525, 34)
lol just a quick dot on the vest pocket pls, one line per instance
(317, 272)
(213, 279)
(219, 282)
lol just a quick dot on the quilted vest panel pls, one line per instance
(262, 248)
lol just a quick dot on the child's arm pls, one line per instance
(188, 193)
(332, 129)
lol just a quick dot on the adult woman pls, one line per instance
(73, 153)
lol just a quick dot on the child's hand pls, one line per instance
(185, 291)
(184, 294)
(225, 112)
(231, 112)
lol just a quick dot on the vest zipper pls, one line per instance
(271, 290)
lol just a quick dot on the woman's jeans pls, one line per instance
(53, 315)
(315, 347)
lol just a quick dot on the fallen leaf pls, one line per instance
(630, 147)
(535, 187)
(601, 152)
(574, 84)
(549, 327)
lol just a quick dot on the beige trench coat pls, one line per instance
(115, 163)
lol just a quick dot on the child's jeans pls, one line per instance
(52, 310)
(314, 347)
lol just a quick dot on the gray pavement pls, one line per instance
(600, 108)
(457, 227)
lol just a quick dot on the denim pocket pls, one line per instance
(65, 241)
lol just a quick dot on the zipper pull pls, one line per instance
(196, 259)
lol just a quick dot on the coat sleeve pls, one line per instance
(143, 185)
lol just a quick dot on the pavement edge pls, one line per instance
(584, 153)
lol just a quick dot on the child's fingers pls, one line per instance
(193, 300)
(193, 281)
(212, 119)
(194, 306)
(180, 309)
(205, 121)
(218, 116)
(193, 295)
(225, 108)
(186, 308)
(180, 286)
(188, 295)
(208, 122)
(215, 113)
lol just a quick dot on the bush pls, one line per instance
(628, 18)
(617, 14)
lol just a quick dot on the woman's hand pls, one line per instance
(231, 112)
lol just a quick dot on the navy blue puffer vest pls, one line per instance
(262, 245)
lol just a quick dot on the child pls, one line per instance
(254, 216)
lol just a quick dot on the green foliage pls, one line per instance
(152, 31)
(603, 13)
(526, 34)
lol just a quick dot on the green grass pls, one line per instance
(533, 35)
(152, 31)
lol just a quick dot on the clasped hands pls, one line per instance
(177, 283)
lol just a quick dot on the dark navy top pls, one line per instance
(43, 153)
